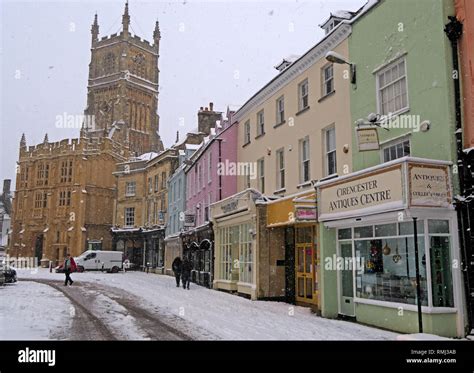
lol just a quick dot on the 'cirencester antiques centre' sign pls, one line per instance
(384, 189)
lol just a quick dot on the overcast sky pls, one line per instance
(219, 51)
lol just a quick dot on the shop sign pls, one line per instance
(230, 206)
(367, 139)
(189, 220)
(306, 213)
(376, 192)
(429, 186)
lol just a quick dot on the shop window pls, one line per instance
(406, 228)
(225, 270)
(438, 226)
(441, 279)
(344, 234)
(363, 232)
(245, 254)
(388, 272)
(385, 230)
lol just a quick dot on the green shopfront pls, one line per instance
(367, 230)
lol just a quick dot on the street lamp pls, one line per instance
(337, 58)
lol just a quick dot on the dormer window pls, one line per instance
(331, 25)
(335, 19)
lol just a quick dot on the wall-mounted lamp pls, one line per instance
(337, 58)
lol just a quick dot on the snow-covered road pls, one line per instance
(136, 305)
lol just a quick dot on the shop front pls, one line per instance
(235, 225)
(198, 247)
(291, 230)
(373, 223)
(143, 248)
(173, 249)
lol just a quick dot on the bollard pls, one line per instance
(50, 266)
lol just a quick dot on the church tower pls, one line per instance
(122, 91)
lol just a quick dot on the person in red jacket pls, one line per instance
(69, 266)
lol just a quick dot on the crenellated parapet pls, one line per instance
(76, 146)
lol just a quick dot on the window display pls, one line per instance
(388, 271)
(386, 253)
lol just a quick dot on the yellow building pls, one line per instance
(141, 208)
(62, 204)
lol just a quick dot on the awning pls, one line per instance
(297, 208)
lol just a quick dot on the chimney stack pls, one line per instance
(207, 119)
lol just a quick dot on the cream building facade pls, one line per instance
(294, 131)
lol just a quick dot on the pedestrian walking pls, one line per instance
(69, 266)
(186, 272)
(177, 267)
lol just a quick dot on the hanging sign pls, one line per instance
(367, 139)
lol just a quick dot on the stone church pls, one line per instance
(66, 191)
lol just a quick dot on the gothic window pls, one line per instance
(138, 65)
(109, 63)
(66, 171)
(42, 174)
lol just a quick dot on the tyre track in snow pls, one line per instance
(90, 324)
(85, 326)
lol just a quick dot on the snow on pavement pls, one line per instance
(227, 316)
(32, 311)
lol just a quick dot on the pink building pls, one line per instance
(205, 185)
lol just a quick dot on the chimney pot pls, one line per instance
(206, 109)
(211, 106)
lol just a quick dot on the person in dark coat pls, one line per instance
(186, 272)
(69, 266)
(177, 267)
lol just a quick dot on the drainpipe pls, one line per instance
(220, 161)
(454, 30)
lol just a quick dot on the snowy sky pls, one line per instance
(219, 51)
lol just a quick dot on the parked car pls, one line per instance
(2, 274)
(10, 275)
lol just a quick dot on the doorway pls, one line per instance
(39, 248)
(305, 255)
(346, 280)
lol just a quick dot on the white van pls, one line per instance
(98, 260)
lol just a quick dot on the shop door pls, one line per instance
(305, 276)
(346, 281)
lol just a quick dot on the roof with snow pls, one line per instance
(147, 156)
